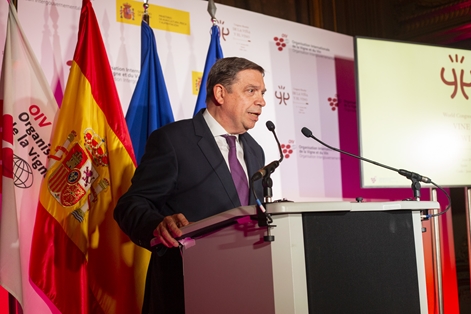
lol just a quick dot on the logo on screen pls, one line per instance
(450, 78)
(281, 41)
(281, 95)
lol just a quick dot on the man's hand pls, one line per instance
(169, 229)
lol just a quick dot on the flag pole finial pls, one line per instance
(145, 16)
(212, 10)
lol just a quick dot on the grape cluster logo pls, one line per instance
(287, 150)
(281, 41)
(333, 103)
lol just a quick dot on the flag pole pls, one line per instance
(145, 16)
(212, 10)
(14, 307)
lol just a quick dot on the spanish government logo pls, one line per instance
(126, 11)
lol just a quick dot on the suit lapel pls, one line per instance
(211, 151)
(251, 163)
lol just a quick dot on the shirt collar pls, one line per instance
(214, 126)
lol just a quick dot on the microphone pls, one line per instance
(409, 175)
(271, 128)
(414, 177)
(270, 168)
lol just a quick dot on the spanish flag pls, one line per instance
(80, 258)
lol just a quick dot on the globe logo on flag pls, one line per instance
(23, 174)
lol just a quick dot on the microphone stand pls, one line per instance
(415, 185)
(414, 177)
(263, 217)
(267, 184)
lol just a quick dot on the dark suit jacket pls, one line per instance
(182, 171)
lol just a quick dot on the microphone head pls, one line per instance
(306, 132)
(270, 125)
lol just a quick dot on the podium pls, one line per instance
(326, 257)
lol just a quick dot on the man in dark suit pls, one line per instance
(184, 175)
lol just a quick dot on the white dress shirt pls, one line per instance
(218, 131)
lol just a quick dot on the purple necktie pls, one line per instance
(237, 172)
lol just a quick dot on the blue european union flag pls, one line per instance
(214, 53)
(150, 107)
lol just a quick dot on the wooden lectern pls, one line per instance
(326, 257)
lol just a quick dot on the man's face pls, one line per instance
(242, 102)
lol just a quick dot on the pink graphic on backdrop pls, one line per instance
(281, 42)
(281, 95)
(333, 102)
(287, 149)
(454, 82)
(223, 31)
